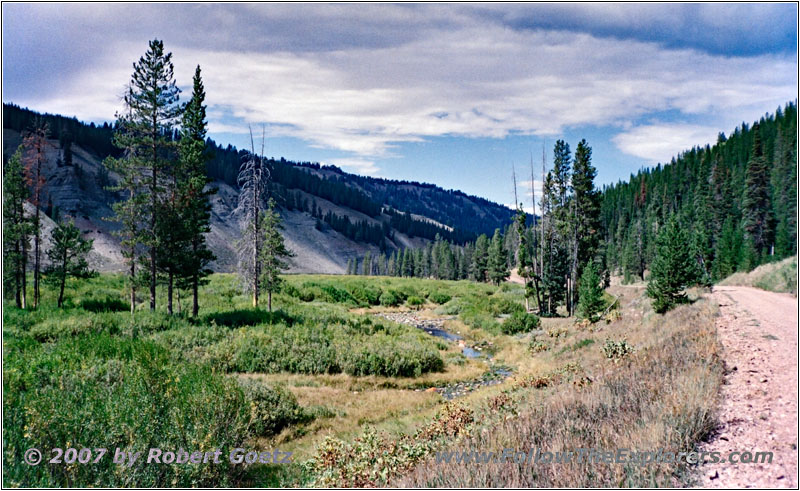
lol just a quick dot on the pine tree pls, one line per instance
(128, 212)
(273, 252)
(480, 260)
(587, 224)
(67, 257)
(729, 253)
(590, 295)
(674, 267)
(16, 229)
(197, 208)
(756, 202)
(152, 103)
(497, 265)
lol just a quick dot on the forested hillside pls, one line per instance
(737, 199)
(350, 214)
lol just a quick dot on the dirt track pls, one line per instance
(758, 331)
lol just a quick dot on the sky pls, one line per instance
(453, 94)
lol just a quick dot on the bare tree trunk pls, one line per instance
(36, 240)
(17, 280)
(24, 274)
(153, 204)
(133, 280)
(195, 306)
(255, 254)
(269, 296)
(61, 291)
(169, 293)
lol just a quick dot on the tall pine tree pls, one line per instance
(756, 204)
(153, 109)
(193, 188)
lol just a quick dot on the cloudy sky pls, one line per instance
(450, 94)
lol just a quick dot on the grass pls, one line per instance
(778, 277)
(348, 392)
(661, 396)
(236, 376)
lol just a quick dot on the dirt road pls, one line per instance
(758, 331)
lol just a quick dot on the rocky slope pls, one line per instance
(79, 191)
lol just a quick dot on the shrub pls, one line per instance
(415, 301)
(248, 317)
(124, 393)
(520, 322)
(366, 295)
(51, 329)
(439, 298)
(389, 298)
(616, 350)
(271, 408)
(451, 307)
(357, 348)
(536, 346)
(105, 304)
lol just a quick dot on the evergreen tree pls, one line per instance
(497, 265)
(196, 213)
(590, 295)
(587, 224)
(67, 257)
(152, 103)
(673, 269)
(273, 252)
(729, 250)
(16, 229)
(480, 260)
(756, 202)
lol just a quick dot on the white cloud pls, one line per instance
(658, 143)
(464, 77)
(357, 166)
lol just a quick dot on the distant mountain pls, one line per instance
(330, 216)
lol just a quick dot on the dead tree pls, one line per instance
(253, 178)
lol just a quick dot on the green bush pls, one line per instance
(357, 348)
(520, 322)
(439, 298)
(51, 329)
(365, 295)
(389, 298)
(100, 390)
(415, 301)
(105, 304)
(271, 408)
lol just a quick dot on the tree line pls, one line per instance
(736, 201)
(484, 260)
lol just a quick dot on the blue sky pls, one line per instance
(453, 94)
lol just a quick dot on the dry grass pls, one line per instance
(778, 277)
(661, 396)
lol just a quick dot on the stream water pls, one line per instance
(435, 327)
